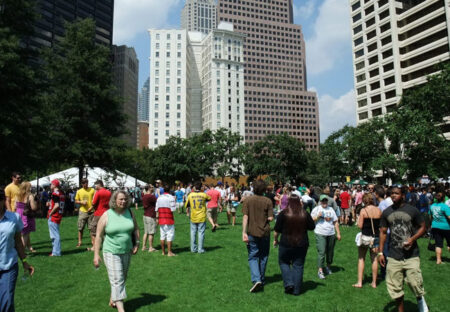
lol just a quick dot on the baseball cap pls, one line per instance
(55, 182)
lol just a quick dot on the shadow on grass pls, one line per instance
(310, 285)
(47, 242)
(336, 269)
(142, 301)
(63, 252)
(392, 306)
(273, 279)
(444, 259)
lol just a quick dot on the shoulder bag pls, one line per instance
(368, 241)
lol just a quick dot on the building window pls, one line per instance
(168, 36)
(157, 36)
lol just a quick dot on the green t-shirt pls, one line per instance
(118, 232)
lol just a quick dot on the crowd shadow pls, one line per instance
(63, 252)
(310, 285)
(408, 305)
(142, 301)
(211, 248)
(335, 268)
(178, 250)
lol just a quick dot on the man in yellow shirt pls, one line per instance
(11, 191)
(84, 198)
(197, 210)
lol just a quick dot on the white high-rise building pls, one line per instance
(197, 83)
(199, 15)
(396, 45)
(223, 80)
(169, 108)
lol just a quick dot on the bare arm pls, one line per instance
(32, 202)
(275, 238)
(244, 229)
(54, 208)
(8, 203)
(383, 234)
(338, 232)
(18, 244)
(99, 238)
(361, 218)
(136, 235)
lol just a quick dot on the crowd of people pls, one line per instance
(391, 220)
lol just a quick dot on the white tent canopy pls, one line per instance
(111, 179)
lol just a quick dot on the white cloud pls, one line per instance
(336, 112)
(331, 39)
(135, 16)
(305, 10)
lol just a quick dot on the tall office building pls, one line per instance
(126, 75)
(199, 15)
(196, 81)
(222, 72)
(396, 45)
(49, 27)
(170, 112)
(276, 97)
(143, 104)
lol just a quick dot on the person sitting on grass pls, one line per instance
(327, 230)
(293, 224)
(165, 206)
(369, 223)
(115, 229)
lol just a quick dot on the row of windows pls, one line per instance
(168, 36)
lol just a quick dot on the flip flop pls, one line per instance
(356, 286)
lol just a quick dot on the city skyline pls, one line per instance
(326, 27)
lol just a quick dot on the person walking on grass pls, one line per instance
(26, 204)
(232, 203)
(150, 222)
(11, 191)
(179, 195)
(293, 224)
(257, 214)
(369, 223)
(100, 204)
(165, 206)
(11, 248)
(213, 206)
(406, 226)
(54, 216)
(84, 197)
(327, 230)
(197, 211)
(440, 226)
(115, 230)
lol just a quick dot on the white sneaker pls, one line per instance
(422, 305)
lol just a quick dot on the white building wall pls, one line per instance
(168, 100)
(390, 51)
(199, 15)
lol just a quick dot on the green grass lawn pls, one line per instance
(217, 280)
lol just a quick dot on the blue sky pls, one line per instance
(326, 28)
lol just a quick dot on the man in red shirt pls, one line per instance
(211, 211)
(100, 204)
(54, 217)
(346, 202)
(150, 223)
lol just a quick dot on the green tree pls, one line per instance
(229, 150)
(282, 157)
(85, 115)
(22, 124)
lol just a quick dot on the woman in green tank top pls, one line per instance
(115, 229)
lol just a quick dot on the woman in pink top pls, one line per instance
(24, 198)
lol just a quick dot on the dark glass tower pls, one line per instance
(53, 13)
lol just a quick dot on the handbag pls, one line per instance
(431, 246)
(133, 236)
(368, 241)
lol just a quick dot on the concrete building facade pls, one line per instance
(276, 96)
(199, 15)
(143, 104)
(126, 76)
(396, 45)
(169, 107)
(222, 75)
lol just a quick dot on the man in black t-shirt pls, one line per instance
(406, 225)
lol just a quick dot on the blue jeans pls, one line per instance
(8, 280)
(292, 261)
(258, 254)
(53, 228)
(200, 229)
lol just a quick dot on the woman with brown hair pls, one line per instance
(369, 223)
(293, 224)
(25, 205)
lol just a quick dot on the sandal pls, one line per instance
(357, 286)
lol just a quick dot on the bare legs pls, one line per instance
(438, 255)
(169, 248)
(361, 258)
(27, 242)
(150, 242)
